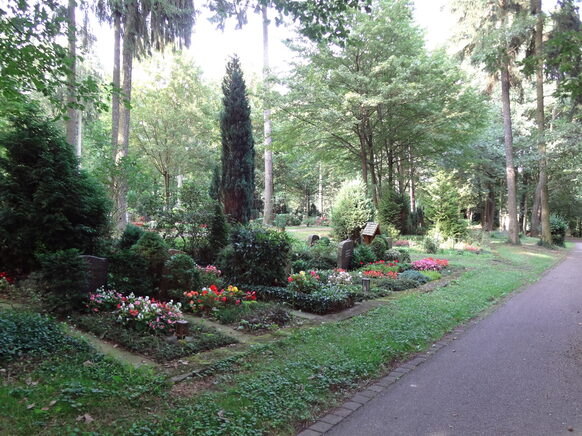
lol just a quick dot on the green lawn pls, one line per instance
(278, 386)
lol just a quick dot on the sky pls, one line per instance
(211, 47)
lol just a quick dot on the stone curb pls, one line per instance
(336, 416)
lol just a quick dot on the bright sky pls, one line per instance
(211, 48)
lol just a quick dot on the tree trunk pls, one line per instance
(72, 126)
(412, 186)
(167, 190)
(540, 121)
(320, 190)
(268, 207)
(489, 209)
(535, 211)
(124, 121)
(115, 104)
(513, 234)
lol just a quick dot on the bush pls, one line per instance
(396, 285)
(351, 211)
(404, 255)
(47, 203)
(30, 333)
(558, 227)
(154, 250)
(392, 255)
(264, 316)
(130, 236)
(64, 280)
(430, 245)
(283, 220)
(182, 272)
(305, 283)
(362, 254)
(327, 300)
(128, 272)
(444, 207)
(256, 255)
(394, 210)
(379, 247)
(432, 275)
(319, 256)
(417, 276)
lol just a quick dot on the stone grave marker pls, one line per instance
(96, 272)
(312, 239)
(345, 253)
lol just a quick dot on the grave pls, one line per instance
(312, 239)
(345, 253)
(96, 272)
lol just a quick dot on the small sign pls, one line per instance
(371, 229)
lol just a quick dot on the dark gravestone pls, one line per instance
(312, 239)
(345, 253)
(96, 272)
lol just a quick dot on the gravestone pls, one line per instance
(312, 239)
(345, 253)
(96, 272)
(390, 243)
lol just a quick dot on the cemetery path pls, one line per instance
(516, 372)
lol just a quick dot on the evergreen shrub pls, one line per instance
(63, 277)
(362, 254)
(154, 250)
(417, 276)
(351, 210)
(444, 207)
(130, 236)
(558, 227)
(182, 272)
(379, 247)
(256, 255)
(394, 211)
(129, 272)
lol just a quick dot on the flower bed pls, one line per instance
(212, 299)
(430, 264)
(329, 299)
(402, 243)
(105, 325)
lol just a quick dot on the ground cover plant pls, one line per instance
(276, 387)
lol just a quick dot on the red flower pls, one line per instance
(213, 288)
(224, 299)
(290, 279)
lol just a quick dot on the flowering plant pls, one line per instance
(379, 274)
(402, 243)
(104, 300)
(382, 266)
(210, 269)
(472, 249)
(146, 313)
(303, 282)
(339, 277)
(430, 264)
(5, 281)
(212, 298)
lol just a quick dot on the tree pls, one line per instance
(46, 202)
(493, 32)
(351, 210)
(238, 152)
(443, 207)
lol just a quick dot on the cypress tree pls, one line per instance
(238, 153)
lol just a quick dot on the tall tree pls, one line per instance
(546, 234)
(238, 152)
(268, 208)
(493, 33)
(72, 125)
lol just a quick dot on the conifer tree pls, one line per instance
(238, 153)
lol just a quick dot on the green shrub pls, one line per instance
(379, 247)
(404, 255)
(362, 254)
(23, 333)
(320, 255)
(394, 210)
(265, 316)
(417, 276)
(218, 230)
(324, 240)
(63, 275)
(283, 220)
(327, 300)
(47, 203)
(558, 227)
(392, 255)
(182, 272)
(432, 275)
(351, 210)
(130, 236)
(396, 285)
(128, 272)
(154, 250)
(444, 207)
(430, 245)
(256, 255)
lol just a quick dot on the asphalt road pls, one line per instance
(516, 372)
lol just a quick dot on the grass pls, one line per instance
(277, 387)
(302, 232)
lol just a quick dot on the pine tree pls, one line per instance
(238, 153)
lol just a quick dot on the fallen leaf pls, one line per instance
(45, 408)
(87, 363)
(30, 406)
(86, 417)
(52, 403)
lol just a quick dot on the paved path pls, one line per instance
(517, 372)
